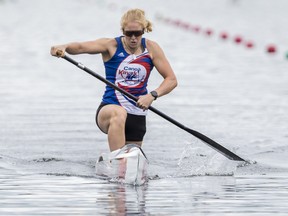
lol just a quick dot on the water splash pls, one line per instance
(193, 162)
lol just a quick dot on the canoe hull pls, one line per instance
(126, 165)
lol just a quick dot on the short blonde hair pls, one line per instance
(136, 15)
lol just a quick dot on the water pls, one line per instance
(49, 142)
(61, 195)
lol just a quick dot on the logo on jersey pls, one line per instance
(131, 75)
(121, 54)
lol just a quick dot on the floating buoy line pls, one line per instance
(270, 49)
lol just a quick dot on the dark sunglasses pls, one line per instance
(135, 33)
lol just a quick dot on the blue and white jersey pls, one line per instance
(130, 72)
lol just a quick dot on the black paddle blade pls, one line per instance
(200, 136)
(227, 153)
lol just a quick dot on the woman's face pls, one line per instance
(133, 32)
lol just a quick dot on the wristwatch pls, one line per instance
(154, 94)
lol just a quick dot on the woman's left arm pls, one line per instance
(164, 68)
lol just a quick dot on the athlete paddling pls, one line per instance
(128, 61)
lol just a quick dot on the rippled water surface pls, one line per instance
(237, 96)
(62, 195)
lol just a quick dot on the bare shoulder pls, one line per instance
(153, 48)
(101, 45)
(106, 46)
(110, 44)
(107, 41)
(104, 42)
(152, 44)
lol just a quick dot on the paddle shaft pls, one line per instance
(227, 153)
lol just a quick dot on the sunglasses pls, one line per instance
(135, 33)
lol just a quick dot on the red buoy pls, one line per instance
(238, 39)
(223, 35)
(196, 28)
(185, 25)
(271, 49)
(208, 31)
(176, 22)
(249, 44)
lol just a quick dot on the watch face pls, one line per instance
(154, 94)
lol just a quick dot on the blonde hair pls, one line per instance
(136, 15)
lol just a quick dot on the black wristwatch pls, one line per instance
(154, 94)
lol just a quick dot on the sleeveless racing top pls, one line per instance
(130, 72)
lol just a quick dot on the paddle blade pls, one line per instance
(227, 153)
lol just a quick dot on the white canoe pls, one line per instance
(126, 165)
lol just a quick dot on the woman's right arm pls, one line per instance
(89, 47)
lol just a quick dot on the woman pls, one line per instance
(128, 61)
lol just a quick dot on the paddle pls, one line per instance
(202, 137)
